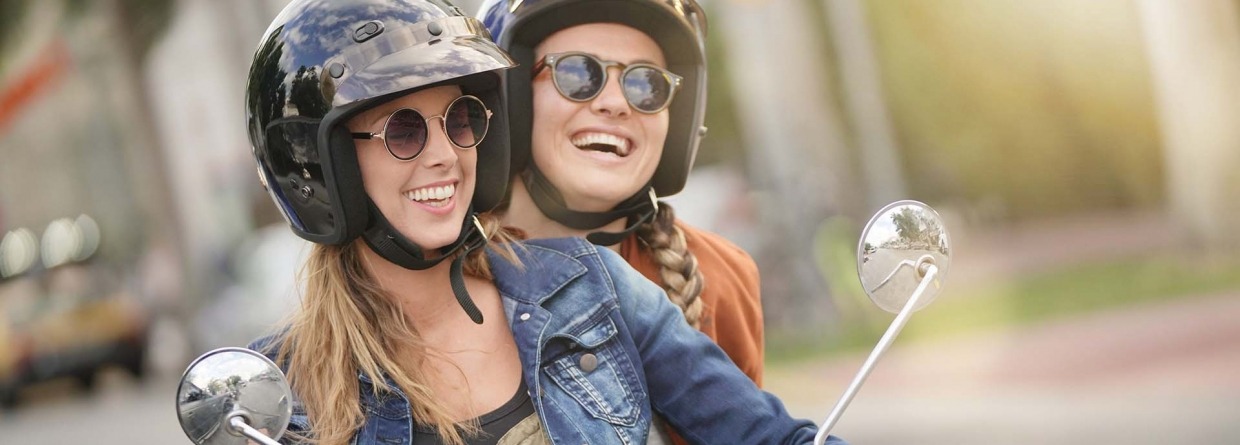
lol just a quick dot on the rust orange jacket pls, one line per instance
(732, 315)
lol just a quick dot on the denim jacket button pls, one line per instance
(588, 362)
(525, 316)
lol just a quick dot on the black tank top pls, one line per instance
(495, 424)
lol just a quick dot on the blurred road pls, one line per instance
(120, 410)
(1162, 373)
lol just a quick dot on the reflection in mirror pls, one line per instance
(897, 245)
(230, 382)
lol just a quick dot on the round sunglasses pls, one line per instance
(405, 132)
(580, 77)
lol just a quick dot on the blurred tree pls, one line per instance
(11, 14)
(305, 93)
(797, 154)
(880, 176)
(269, 54)
(723, 143)
(1194, 52)
(1043, 107)
(907, 224)
(140, 22)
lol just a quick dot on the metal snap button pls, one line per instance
(588, 362)
(525, 316)
(336, 69)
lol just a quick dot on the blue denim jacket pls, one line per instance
(602, 351)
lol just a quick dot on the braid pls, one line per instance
(679, 269)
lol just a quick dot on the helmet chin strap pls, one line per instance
(637, 209)
(392, 246)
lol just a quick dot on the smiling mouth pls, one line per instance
(603, 142)
(432, 196)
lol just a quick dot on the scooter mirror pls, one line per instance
(902, 258)
(896, 247)
(230, 394)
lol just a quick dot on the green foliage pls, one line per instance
(145, 22)
(306, 95)
(1042, 106)
(142, 21)
(723, 141)
(1058, 293)
(11, 14)
(1079, 289)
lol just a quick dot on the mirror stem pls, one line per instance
(238, 424)
(931, 271)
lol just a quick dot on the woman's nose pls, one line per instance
(611, 101)
(439, 150)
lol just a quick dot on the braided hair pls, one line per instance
(678, 268)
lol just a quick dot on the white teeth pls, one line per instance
(433, 196)
(585, 139)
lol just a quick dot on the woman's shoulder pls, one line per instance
(544, 267)
(717, 255)
(268, 345)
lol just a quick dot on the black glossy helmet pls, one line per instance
(679, 28)
(323, 61)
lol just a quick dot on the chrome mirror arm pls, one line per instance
(237, 425)
(885, 342)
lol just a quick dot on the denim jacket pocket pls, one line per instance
(592, 367)
(387, 418)
(386, 405)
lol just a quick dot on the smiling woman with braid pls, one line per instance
(606, 114)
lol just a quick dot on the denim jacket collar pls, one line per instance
(557, 266)
(545, 267)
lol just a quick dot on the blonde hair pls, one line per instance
(678, 268)
(348, 324)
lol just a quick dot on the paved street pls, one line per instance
(120, 411)
(1164, 373)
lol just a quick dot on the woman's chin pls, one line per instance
(441, 242)
(598, 197)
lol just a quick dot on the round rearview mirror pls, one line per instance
(229, 383)
(898, 244)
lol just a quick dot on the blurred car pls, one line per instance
(263, 290)
(69, 316)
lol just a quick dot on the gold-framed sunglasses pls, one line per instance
(580, 77)
(405, 132)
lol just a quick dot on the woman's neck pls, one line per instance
(523, 214)
(425, 296)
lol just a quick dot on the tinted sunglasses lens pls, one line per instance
(647, 89)
(579, 77)
(405, 134)
(466, 121)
